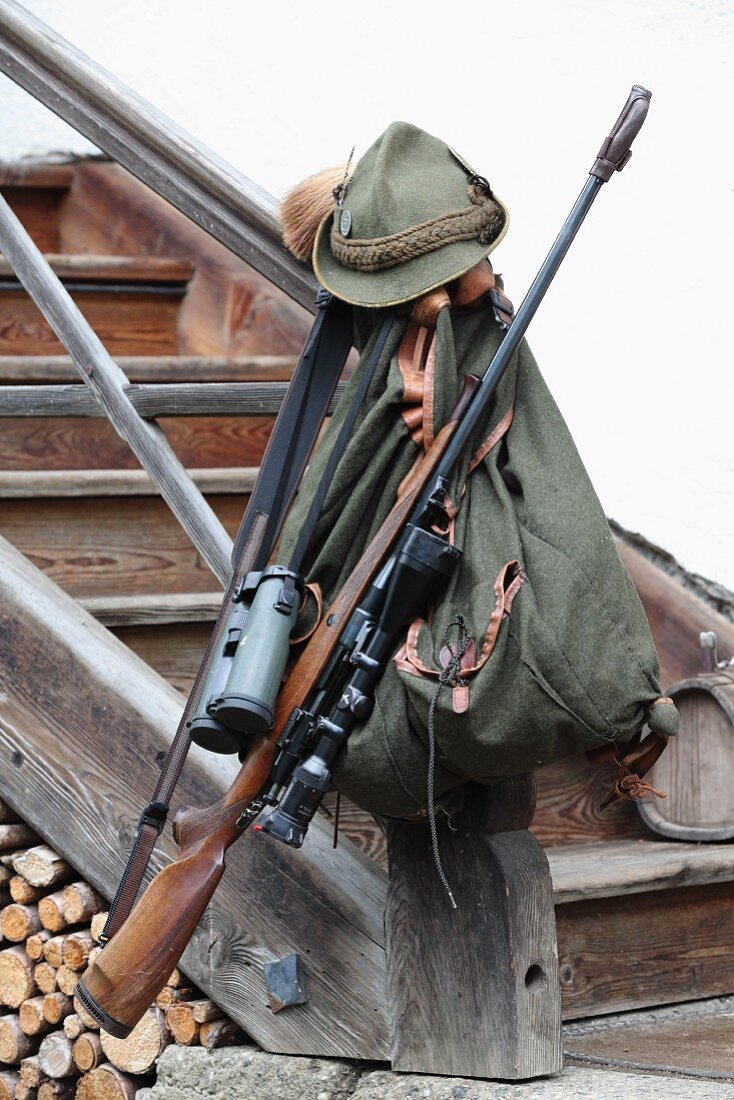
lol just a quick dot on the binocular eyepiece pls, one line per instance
(238, 699)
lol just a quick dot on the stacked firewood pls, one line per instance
(50, 1048)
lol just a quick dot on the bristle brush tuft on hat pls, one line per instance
(305, 207)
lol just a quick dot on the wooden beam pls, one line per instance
(176, 165)
(582, 872)
(187, 607)
(152, 401)
(22, 484)
(115, 269)
(473, 991)
(83, 726)
(17, 370)
(106, 381)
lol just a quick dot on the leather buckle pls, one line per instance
(502, 308)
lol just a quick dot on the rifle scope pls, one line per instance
(421, 565)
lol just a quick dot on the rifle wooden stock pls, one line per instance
(121, 984)
(132, 969)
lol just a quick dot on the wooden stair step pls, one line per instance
(25, 484)
(659, 942)
(582, 872)
(113, 545)
(126, 322)
(57, 177)
(130, 301)
(89, 268)
(50, 443)
(173, 650)
(36, 194)
(179, 399)
(154, 610)
(230, 309)
(685, 1039)
(54, 369)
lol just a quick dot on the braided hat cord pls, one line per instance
(482, 222)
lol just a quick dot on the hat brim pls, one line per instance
(403, 283)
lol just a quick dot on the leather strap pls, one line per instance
(633, 761)
(417, 350)
(294, 434)
(473, 285)
(478, 283)
(426, 309)
(412, 362)
(502, 307)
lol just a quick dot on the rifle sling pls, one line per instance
(340, 444)
(294, 434)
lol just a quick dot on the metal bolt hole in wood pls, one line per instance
(471, 992)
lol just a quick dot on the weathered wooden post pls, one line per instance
(474, 991)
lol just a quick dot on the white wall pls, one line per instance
(634, 337)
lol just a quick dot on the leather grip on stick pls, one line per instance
(615, 150)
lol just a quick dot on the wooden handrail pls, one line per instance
(153, 400)
(21, 370)
(36, 484)
(176, 165)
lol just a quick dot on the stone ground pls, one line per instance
(685, 1052)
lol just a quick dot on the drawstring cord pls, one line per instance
(449, 675)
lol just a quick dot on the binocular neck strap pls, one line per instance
(294, 435)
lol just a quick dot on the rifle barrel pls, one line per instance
(503, 356)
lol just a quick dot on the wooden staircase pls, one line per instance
(640, 921)
(171, 307)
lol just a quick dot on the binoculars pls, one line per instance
(241, 686)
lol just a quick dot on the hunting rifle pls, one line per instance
(286, 772)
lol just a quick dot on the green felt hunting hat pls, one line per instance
(413, 216)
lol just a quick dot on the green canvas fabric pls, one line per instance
(573, 664)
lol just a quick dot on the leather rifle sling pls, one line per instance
(292, 439)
